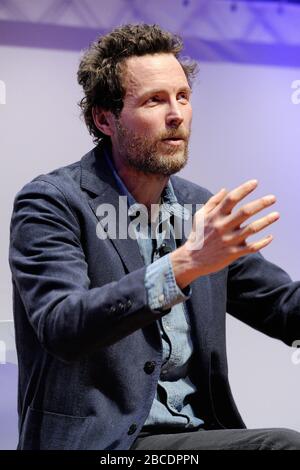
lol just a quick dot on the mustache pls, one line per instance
(175, 134)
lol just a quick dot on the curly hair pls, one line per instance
(101, 67)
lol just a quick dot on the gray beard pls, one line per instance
(144, 155)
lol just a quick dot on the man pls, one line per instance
(121, 339)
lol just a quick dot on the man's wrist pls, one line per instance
(183, 266)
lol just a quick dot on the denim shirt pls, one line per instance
(171, 407)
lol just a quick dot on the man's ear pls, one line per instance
(103, 120)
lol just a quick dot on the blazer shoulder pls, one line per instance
(186, 190)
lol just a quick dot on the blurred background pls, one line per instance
(246, 124)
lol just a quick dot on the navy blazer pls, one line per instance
(85, 335)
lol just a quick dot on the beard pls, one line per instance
(152, 155)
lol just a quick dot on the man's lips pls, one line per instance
(173, 140)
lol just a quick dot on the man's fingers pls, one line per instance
(215, 200)
(236, 195)
(256, 246)
(240, 235)
(235, 219)
(246, 249)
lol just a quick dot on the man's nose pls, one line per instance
(174, 116)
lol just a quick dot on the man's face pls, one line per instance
(152, 131)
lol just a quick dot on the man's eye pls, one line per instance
(183, 97)
(153, 99)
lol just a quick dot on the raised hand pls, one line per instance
(217, 237)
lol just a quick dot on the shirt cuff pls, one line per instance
(162, 289)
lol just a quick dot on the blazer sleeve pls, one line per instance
(263, 295)
(50, 272)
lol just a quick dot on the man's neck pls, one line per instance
(145, 188)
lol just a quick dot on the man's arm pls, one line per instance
(263, 295)
(259, 293)
(50, 271)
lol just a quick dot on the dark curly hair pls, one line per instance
(100, 69)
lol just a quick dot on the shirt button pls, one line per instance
(149, 367)
(161, 298)
(132, 429)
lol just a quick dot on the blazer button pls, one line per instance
(132, 429)
(149, 367)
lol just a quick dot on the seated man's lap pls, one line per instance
(228, 439)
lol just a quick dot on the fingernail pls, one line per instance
(251, 183)
(270, 198)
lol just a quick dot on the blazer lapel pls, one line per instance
(97, 179)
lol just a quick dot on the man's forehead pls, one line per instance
(144, 72)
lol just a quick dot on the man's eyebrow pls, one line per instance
(153, 91)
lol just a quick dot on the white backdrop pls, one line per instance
(245, 126)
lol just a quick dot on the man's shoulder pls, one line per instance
(189, 192)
